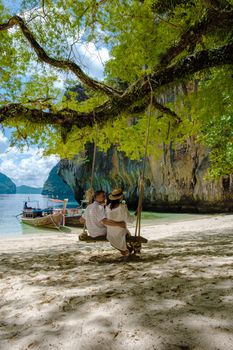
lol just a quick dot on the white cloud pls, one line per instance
(92, 59)
(3, 139)
(27, 168)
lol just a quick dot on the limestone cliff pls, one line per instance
(55, 186)
(7, 186)
(174, 182)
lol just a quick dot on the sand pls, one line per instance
(58, 293)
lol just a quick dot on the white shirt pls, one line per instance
(93, 216)
(116, 235)
(119, 213)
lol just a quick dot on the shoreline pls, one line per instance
(146, 222)
(59, 293)
(173, 227)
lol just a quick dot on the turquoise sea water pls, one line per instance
(11, 206)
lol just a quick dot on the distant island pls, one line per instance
(7, 186)
(54, 186)
(28, 190)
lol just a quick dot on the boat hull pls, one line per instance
(73, 221)
(49, 221)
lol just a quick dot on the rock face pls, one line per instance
(55, 186)
(7, 186)
(175, 182)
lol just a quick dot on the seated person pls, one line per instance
(118, 211)
(96, 219)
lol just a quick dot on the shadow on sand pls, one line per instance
(176, 296)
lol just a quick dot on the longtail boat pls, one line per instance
(49, 221)
(37, 217)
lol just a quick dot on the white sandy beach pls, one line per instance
(59, 293)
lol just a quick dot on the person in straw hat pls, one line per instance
(95, 217)
(117, 211)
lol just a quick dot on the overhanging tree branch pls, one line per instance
(165, 110)
(220, 5)
(183, 68)
(211, 20)
(62, 64)
(190, 38)
(136, 92)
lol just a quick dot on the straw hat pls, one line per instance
(117, 193)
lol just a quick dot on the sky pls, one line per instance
(30, 167)
(26, 168)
